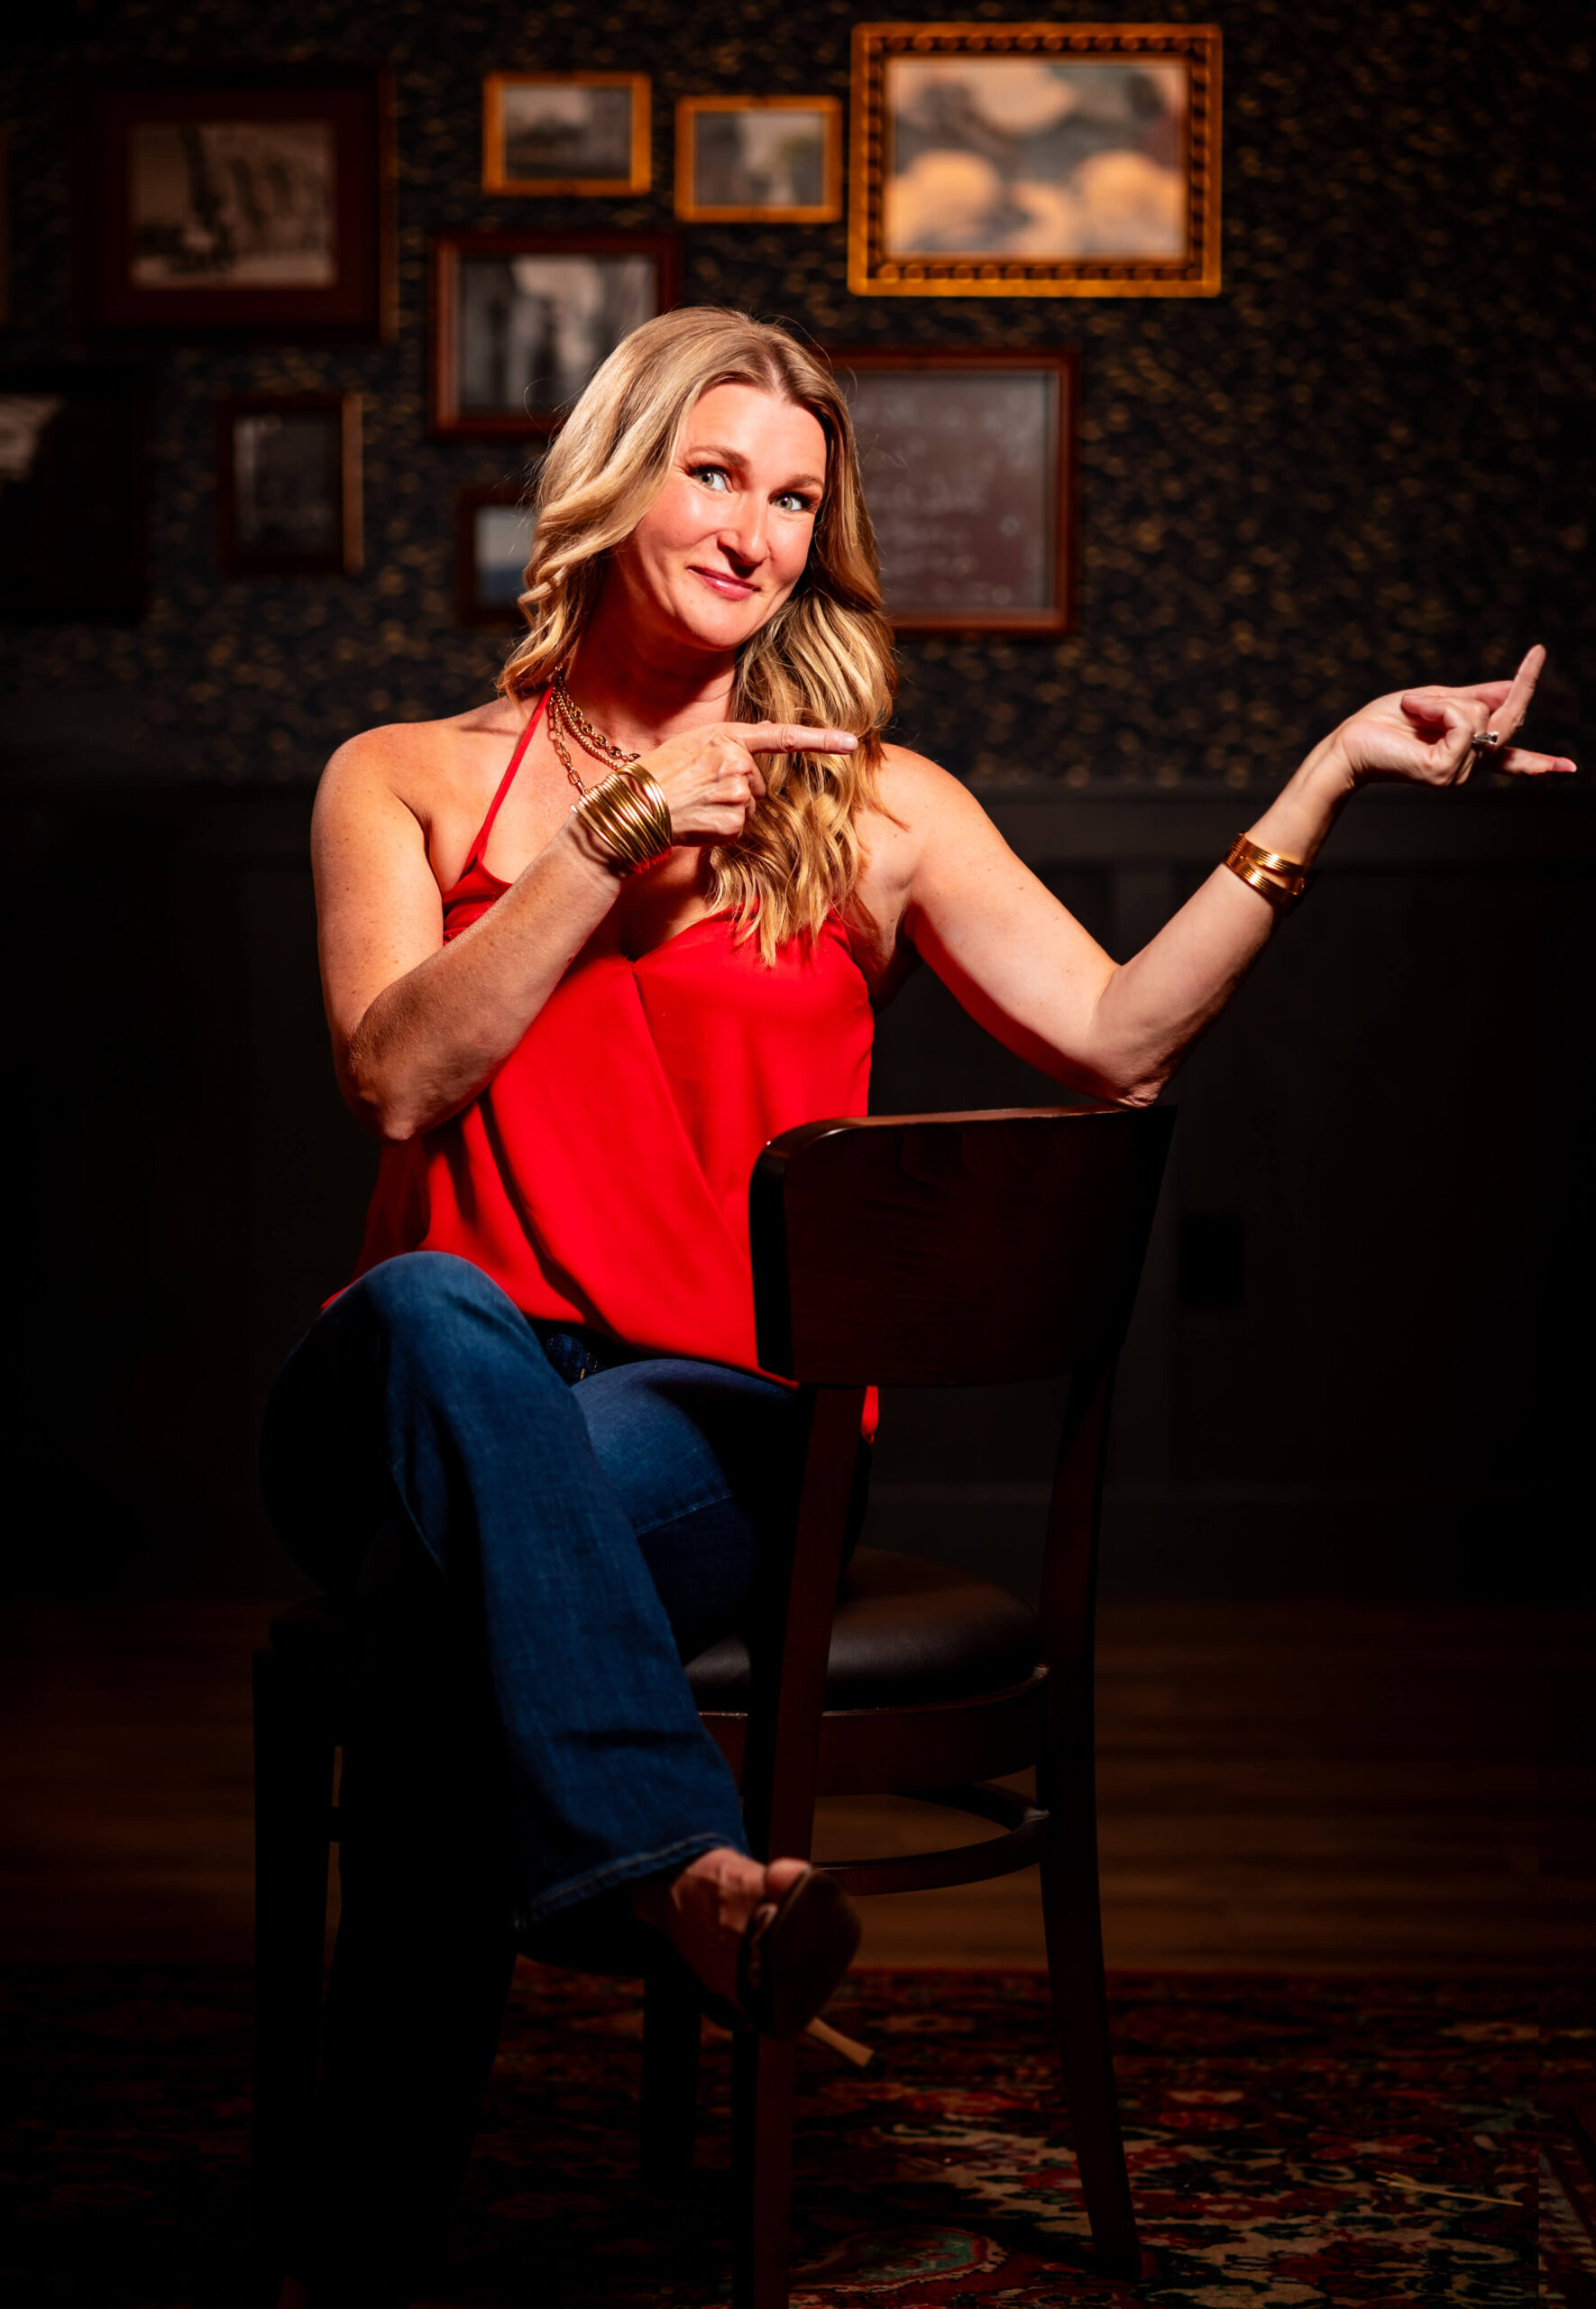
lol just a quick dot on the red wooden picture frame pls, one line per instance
(1053, 499)
(358, 300)
(450, 412)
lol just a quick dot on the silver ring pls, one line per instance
(1485, 740)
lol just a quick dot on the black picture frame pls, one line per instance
(73, 493)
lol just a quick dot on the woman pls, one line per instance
(584, 951)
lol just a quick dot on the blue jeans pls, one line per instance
(592, 1516)
(537, 1527)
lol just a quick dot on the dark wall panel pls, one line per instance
(1356, 466)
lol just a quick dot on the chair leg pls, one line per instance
(671, 2036)
(1074, 1926)
(294, 1757)
(762, 2094)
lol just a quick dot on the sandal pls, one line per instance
(793, 1952)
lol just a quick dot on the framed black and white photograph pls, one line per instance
(493, 527)
(566, 133)
(261, 207)
(1035, 161)
(73, 493)
(521, 321)
(968, 473)
(759, 160)
(288, 484)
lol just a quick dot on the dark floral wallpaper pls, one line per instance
(1357, 467)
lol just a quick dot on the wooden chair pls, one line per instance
(905, 1251)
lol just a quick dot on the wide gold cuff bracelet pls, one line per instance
(1281, 881)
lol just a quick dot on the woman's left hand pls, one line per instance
(1425, 737)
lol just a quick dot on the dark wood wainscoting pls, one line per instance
(1348, 1368)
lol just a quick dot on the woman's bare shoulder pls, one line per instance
(419, 764)
(915, 796)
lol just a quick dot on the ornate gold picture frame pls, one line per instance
(566, 133)
(1048, 160)
(759, 160)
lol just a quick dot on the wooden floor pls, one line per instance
(1313, 1787)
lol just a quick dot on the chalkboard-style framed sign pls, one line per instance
(969, 464)
(1051, 160)
(521, 321)
(256, 205)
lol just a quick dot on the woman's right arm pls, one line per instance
(419, 1028)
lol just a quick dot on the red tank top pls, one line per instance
(602, 1175)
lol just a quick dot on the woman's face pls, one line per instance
(725, 542)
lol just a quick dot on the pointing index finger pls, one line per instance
(791, 738)
(1515, 704)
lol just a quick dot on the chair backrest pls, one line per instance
(953, 1250)
(934, 1250)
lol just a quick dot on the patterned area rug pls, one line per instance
(1291, 2141)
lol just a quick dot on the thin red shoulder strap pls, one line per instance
(474, 855)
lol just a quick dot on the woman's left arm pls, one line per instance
(1025, 968)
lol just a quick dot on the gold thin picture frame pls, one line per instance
(691, 210)
(639, 175)
(874, 272)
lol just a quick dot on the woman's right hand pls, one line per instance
(711, 780)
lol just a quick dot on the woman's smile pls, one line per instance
(730, 588)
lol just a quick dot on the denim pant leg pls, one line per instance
(386, 1473)
(422, 1389)
(704, 1460)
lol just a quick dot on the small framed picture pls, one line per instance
(493, 530)
(72, 494)
(968, 473)
(288, 484)
(567, 131)
(1048, 160)
(759, 160)
(4, 226)
(521, 321)
(262, 206)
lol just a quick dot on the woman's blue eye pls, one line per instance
(792, 501)
(712, 477)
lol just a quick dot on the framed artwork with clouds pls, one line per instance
(1035, 161)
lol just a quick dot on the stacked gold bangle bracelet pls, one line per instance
(1280, 880)
(630, 816)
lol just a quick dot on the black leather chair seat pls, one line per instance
(906, 1631)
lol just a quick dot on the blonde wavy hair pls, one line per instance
(825, 658)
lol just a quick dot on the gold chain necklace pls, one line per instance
(565, 717)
